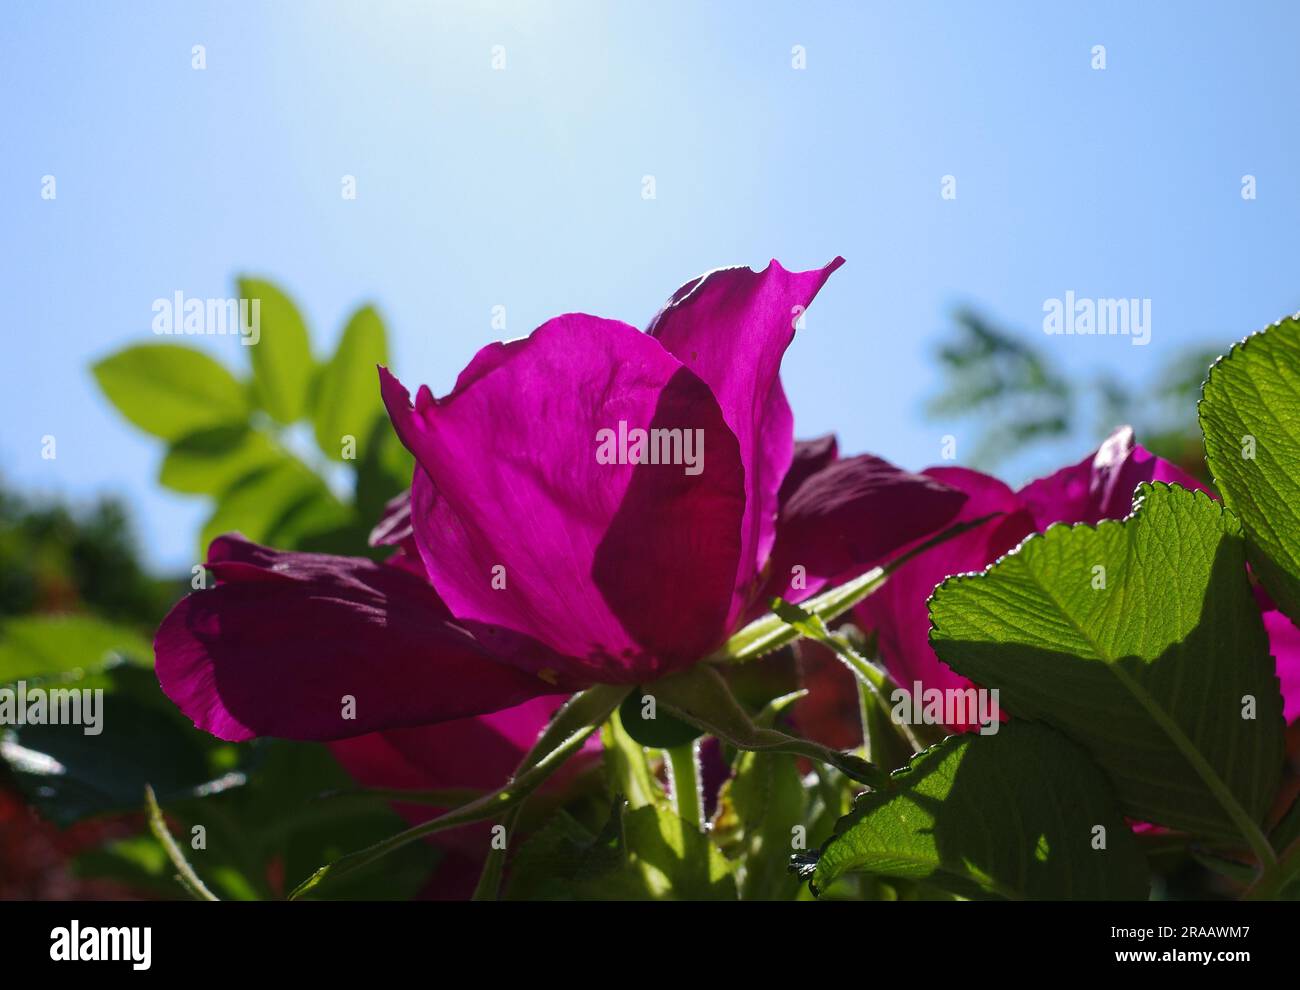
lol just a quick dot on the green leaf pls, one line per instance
(668, 857)
(1014, 814)
(314, 518)
(45, 645)
(136, 862)
(1148, 673)
(282, 363)
(275, 506)
(657, 856)
(69, 774)
(627, 770)
(211, 461)
(297, 809)
(1284, 875)
(581, 713)
(1250, 414)
(645, 853)
(171, 390)
(761, 805)
(383, 470)
(346, 400)
(564, 861)
(667, 852)
(282, 819)
(489, 806)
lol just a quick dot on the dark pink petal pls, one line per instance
(849, 517)
(897, 611)
(731, 327)
(810, 456)
(1101, 485)
(410, 562)
(625, 569)
(276, 646)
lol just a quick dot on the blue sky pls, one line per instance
(522, 187)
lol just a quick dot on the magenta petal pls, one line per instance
(1284, 642)
(277, 645)
(731, 327)
(897, 611)
(851, 516)
(625, 568)
(1101, 485)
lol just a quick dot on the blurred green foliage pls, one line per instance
(55, 558)
(1016, 396)
(295, 452)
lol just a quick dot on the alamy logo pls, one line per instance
(1098, 317)
(20, 705)
(653, 446)
(77, 944)
(202, 317)
(950, 707)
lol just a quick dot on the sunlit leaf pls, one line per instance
(283, 367)
(171, 390)
(346, 400)
(1140, 640)
(1022, 814)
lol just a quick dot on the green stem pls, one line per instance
(185, 874)
(883, 743)
(683, 764)
(489, 881)
(871, 678)
(878, 684)
(864, 719)
(700, 695)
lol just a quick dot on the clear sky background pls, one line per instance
(523, 187)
